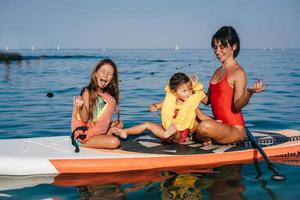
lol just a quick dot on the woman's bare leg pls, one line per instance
(220, 132)
(156, 129)
(199, 137)
(102, 142)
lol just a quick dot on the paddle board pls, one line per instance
(56, 155)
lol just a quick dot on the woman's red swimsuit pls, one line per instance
(221, 99)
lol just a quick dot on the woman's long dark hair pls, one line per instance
(112, 88)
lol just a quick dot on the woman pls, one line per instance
(227, 91)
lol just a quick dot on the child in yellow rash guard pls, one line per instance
(178, 114)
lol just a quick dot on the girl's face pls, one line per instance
(183, 92)
(104, 75)
(223, 53)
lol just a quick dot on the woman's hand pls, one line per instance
(257, 87)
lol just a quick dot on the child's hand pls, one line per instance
(257, 87)
(152, 108)
(194, 78)
(78, 102)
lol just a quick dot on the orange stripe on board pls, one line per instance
(105, 165)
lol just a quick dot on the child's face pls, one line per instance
(183, 92)
(223, 53)
(104, 75)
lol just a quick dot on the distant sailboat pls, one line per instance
(32, 48)
(58, 48)
(176, 47)
(7, 48)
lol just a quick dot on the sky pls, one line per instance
(146, 23)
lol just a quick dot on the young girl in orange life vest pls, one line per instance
(94, 108)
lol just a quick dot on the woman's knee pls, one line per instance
(205, 127)
(242, 134)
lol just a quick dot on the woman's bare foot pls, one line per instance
(122, 133)
(169, 132)
(203, 139)
(209, 142)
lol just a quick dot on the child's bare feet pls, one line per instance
(169, 132)
(122, 133)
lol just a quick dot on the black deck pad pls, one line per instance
(147, 143)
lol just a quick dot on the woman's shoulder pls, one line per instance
(237, 73)
(238, 70)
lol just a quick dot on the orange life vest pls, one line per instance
(103, 118)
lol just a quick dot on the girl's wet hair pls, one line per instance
(112, 88)
(227, 35)
(177, 80)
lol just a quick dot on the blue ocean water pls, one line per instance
(26, 111)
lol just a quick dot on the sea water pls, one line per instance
(27, 111)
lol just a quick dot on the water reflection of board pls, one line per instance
(83, 179)
(55, 155)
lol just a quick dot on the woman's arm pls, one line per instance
(242, 95)
(201, 115)
(206, 100)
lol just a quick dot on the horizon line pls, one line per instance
(131, 48)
